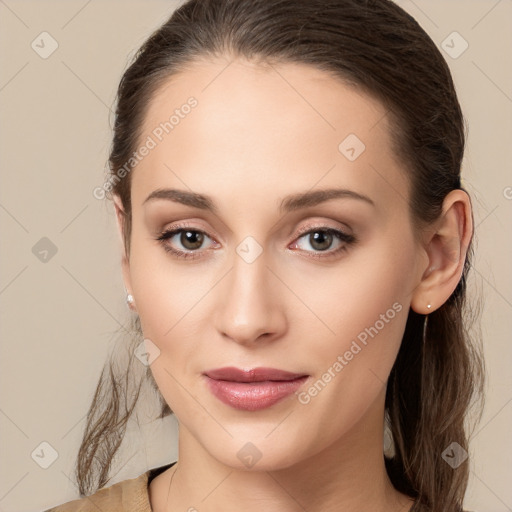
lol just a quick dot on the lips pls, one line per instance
(253, 389)
(254, 375)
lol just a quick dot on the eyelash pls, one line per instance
(340, 235)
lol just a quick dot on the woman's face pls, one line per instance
(271, 273)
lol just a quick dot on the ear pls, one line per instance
(125, 263)
(446, 247)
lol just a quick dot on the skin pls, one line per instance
(260, 133)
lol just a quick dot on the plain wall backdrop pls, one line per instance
(61, 292)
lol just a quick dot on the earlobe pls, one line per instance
(446, 248)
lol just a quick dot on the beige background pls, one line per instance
(58, 316)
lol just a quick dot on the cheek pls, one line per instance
(166, 298)
(165, 291)
(171, 299)
(364, 305)
(352, 296)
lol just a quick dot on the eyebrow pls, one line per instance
(288, 204)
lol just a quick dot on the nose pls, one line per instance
(249, 308)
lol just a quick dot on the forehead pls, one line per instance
(248, 95)
(266, 128)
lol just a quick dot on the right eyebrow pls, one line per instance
(184, 197)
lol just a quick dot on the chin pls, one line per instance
(258, 455)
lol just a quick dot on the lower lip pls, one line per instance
(253, 396)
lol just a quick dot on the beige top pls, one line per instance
(126, 496)
(130, 495)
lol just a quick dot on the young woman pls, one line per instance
(286, 179)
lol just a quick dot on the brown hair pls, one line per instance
(378, 47)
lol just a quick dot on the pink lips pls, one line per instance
(254, 389)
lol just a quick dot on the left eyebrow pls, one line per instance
(314, 197)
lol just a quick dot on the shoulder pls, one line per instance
(129, 495)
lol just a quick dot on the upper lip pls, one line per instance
(252, 375)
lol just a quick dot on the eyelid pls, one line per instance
(322, 226)
(183, 226)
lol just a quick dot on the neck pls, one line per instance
(348, 476)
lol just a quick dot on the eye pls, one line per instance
(189, 238)
(321, 239)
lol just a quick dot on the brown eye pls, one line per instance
(320, 240)
(191, 240)
(323, 242)
(185, 242)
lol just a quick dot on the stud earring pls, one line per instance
(429, 306)
(129, 299)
